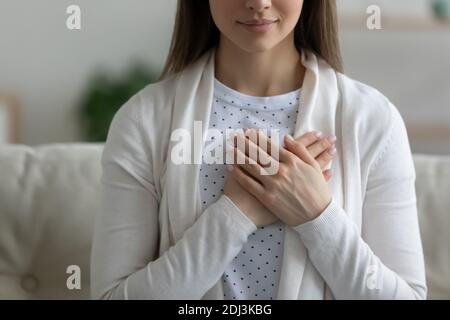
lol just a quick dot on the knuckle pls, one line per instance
(272, 187)
(244, 181)
(269, 198)
(282, 171)
(272, 169)
(252, 166)
(302, 146)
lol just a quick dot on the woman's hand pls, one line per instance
(321, 148)
(318, 147)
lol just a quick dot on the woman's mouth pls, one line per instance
(262, 25)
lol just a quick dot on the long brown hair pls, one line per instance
(195, 33)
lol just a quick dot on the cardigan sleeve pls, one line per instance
(124, 257)
(385, 260)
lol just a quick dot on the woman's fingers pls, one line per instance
(277, 151)
(299, 150)
(321, 145)
(264, 151)
(315, 142)
(309, 138)
(252, 168)
(320, 148)
(325, 157)
(249, 147)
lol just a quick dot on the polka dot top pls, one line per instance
(254, 272)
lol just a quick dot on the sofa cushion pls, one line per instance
(48, 198)
(433, 203)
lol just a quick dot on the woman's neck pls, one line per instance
(267, 73)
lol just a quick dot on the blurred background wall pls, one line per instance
(47, 68)
(408, 60)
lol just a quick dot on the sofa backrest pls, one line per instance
(49, 195)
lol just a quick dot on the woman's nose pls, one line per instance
(258, 5)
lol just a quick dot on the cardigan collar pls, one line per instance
(193, 102)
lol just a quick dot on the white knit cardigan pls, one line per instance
(152, 241)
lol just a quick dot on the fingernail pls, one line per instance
(332, 139)
(229, 167)
(332, 151)
(290, 138)
(318, 134)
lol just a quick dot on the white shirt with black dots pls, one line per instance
(254, 272)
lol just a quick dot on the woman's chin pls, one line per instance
(257, 46)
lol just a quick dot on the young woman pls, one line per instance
(174, 226)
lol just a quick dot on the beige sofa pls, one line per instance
(49, 195)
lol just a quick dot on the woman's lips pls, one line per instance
(258, 26)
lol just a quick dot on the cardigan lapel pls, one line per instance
(318, 104)
(320, 109)
(193, 100)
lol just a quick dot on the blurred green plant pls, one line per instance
(104, 96)
(441, 9)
